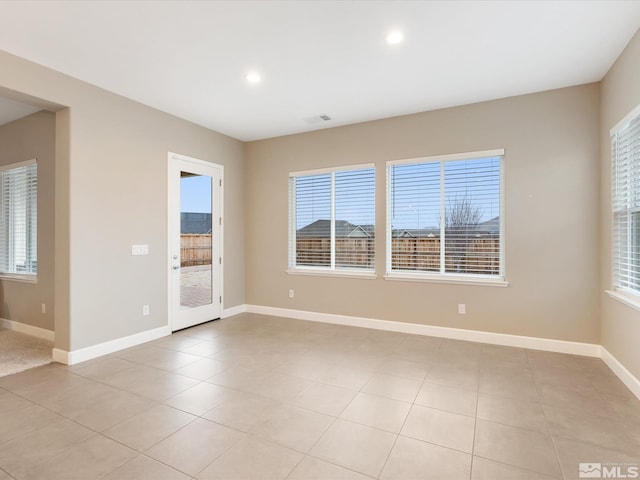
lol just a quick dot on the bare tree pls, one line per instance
(461, 218)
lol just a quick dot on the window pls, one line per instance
(18, 220)
(445, 217)
(331, 219)
(625, 156)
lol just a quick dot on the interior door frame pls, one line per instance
(176, 160)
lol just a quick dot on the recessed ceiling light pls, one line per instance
(253, 77)
(395, 37)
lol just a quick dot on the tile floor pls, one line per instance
(257, 397)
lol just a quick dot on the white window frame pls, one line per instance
(6, 211)
(331, 270)
(448, 278)
(626, 295)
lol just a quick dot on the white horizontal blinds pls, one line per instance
(415, 216)
(354, 232)
(626, 205)
(18, 222)
(472, 216)
(313, 220)
(445, 216)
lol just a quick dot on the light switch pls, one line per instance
(139, 249)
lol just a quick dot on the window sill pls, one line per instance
(16, 277)
(448, 279)
(627, 298)
(332, 273)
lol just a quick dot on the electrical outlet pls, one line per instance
(462, 308)
(145, 310)
(44, 308)
(291, 293)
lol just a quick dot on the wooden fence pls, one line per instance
(195, 249)
(472, 255)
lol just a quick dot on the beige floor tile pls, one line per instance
(396, 388)
(195, 446)
(113, 408)
(177, 342)
(323, 398)
(200, 398)
(582, 397)
(243, 411)
(33, 376)
(375, 411)
(150, 427)
(206, 348)
(313, 469)
(20, 422)
(293, 427)
(145, 468)
(591, 428)
(252, 459)
(484, 469)
(395, 365)
(571, 453)
(140, 354)
(514, 446)
(238, 378)
(17, 455)
(92, 458)
(442, 428)
(454, 400)
(509, 385)
(103, 368)
(509, 411)
(202, 369)
(132, 377)
(163, 386)
(354, 446)
(466, 379)
(308, 368)
(412, 459)
(280, 387)
(170, 360)
(10, 401)
(341, 376)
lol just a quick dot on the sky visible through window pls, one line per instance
(195, 194)
(415, 193)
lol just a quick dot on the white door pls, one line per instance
(195, 241)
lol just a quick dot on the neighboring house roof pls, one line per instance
(322, 229)
(194, 222)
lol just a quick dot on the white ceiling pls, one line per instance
(318, 57)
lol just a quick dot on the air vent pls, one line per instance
(318, 119)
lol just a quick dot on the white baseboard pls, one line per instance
(534, 343)
(621, 371)
(28, 329)
(94, 351)
(231, 311)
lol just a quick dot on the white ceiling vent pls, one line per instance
(318, 119)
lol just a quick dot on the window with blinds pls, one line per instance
(331, 219)
(18, 219)
(625, 156)
(445, 216)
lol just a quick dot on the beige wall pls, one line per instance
(111, 192)
(25, 139)
(620, 95)
(552, 244)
